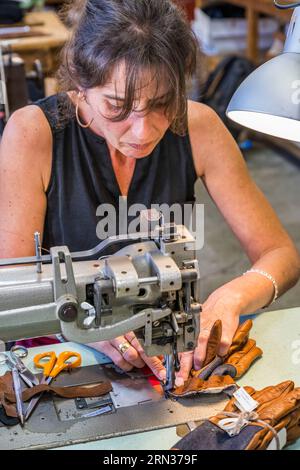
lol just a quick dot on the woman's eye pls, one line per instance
(113, 107)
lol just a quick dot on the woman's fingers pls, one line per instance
(228, 332)
(229, 326)
(128, 351)
(200, 351)
(224, 344)
(157, 367)
(110, 351)
(154, 363)
(186, 364)
(132, 339)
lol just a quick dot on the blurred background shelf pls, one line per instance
(253, 10)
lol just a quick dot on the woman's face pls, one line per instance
(137, 135)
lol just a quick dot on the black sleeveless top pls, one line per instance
(83, 178)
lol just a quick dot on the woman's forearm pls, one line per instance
(253, 291)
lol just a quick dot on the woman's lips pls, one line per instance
(140, 147)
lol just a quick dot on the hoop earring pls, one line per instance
(84, 126)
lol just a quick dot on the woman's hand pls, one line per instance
(221, 305)
(127, 353)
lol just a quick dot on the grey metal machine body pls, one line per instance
(150, 287)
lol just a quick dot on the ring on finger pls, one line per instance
(123, 347)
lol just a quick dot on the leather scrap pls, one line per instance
(8, 398)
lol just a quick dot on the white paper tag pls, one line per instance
(244, 401)
(282, 435)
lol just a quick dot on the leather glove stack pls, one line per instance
(218, 373)
(277, 415)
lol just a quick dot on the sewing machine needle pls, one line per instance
(170, 368)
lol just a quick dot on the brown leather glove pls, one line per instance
(8, 398)
(218, 373)
(279, 407)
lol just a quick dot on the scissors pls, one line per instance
(55, 364)
(18, 392)
(11, 360)
(52, 366)
(18, 369)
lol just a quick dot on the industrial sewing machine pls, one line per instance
(150, 286)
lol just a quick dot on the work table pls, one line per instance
(276, 332)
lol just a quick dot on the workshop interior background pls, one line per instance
(251, 30)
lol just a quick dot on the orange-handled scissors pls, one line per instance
(52, 367)
(55, 364)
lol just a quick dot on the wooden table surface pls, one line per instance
(55, 32)
(46, 47)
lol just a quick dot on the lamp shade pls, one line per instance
(268, 100)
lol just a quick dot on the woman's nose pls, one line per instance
(141, 128)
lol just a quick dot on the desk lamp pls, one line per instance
(268, 100)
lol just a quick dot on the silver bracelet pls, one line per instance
(268, 276)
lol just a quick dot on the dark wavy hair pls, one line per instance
(144, 35)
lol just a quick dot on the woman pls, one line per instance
(123, 128)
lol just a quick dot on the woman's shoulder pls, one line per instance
(199, 114)
(205, 130)
(38, 116)
(27, 135)
(29, 122)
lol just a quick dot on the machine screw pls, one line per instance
(190, 345)
(68, 312)
(190, 329)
